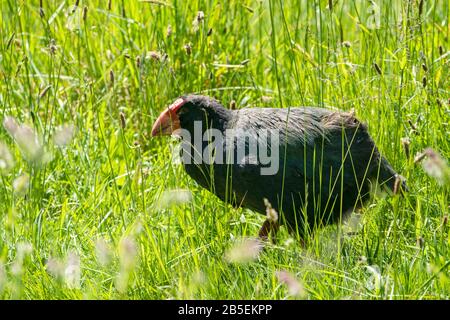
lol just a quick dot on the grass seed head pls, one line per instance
(21, 185)
(72, 271)
(138, 62)
(420, 242)
(266, 99)
(397, 184)
(123, 122)
(52, 47)
(75, 6)
(377, 68)
(103, 252)
(413, 127)
(111, 77)
(362, 260)
(28, 141)
(295, 287)
(197, 20)
(153, 55)
(23, 249)
(30, 144)
(347, 44)
(375, 280)
(41, 9)
(85, 12)
(44, 91)
(188, 49)
(435, 166)
(127, 253)
(198, 279)
(420, 7)
(64, 135)
(10, 124)
(175, 197)
(128, 257)
(200, 16)
(330, 5)
(419, 157)
(244, 251)
(55, 267)
(271, 213)
(3, 277)
(6, 159)
(10, 40)
(406, 142)
(109, 55)
(424, 67)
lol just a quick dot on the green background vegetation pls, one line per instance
(90, 223)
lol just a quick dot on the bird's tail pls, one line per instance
(389, 179)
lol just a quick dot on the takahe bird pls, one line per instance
(324, 162)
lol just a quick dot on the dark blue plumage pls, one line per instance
(327, 161)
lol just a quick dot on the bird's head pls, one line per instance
(186, 111)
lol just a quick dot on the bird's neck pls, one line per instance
(199, 139)
(221, 118)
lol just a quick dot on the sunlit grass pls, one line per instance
(88, 201)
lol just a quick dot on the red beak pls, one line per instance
(168, 121)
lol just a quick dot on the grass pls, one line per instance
(88, 223)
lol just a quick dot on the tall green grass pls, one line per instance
(96, 220)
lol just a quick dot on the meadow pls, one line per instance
(92, 207)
